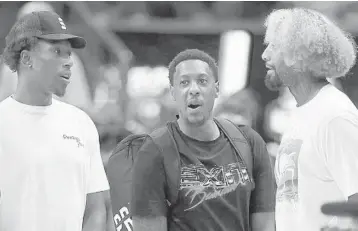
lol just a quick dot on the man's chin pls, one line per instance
(196, 120)
(273, 83)
(59, 94)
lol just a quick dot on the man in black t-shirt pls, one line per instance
(212, 195)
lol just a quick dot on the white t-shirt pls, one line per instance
(317, 161)
(49, 161)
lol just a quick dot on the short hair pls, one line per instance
(192, 54)
(14, 47)
(310, 42)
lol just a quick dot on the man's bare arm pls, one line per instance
(150, 224)
(109, 217)
(95, 213)
(263, 221)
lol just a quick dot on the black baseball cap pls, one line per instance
(44, 25)
(341, 209)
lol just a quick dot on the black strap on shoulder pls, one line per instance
(238, 141)
(164, 140)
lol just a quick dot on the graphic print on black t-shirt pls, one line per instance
(200, 184)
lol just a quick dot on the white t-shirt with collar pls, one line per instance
(49, 161)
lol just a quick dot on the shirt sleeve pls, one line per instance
(148, 185)
(97, 176)
(338, 142)
(264, 195)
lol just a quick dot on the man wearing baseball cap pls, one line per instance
(51, 173)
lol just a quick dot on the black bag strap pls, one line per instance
(164, 140)
(238, 140)
(125, 143)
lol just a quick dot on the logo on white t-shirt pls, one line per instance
(78, 140)
(286, 170)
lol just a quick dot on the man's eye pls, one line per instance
(58, 51)
(184, 82)
(202, 81)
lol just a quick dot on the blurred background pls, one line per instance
(121, 78)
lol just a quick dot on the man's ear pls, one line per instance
(217, 89)
(25, 58)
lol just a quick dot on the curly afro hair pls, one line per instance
(310, 42)
(191, 54)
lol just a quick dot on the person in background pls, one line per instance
(317, 160)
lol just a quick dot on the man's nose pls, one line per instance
(68, 63)
(264, 55)
(194, 89)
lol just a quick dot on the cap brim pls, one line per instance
(343, 209)
(75, 41)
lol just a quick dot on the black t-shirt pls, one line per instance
(212, 195)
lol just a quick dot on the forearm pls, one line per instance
(95, 218)
(95, 221)
(110, 222)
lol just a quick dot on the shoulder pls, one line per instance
(158, 142)
(161, 132)
(251, 135)
(4, 104)
(149, 145)
(331, 104)
(335, 108)
(7, 108)
(339, 124)
(5, 114)
(66, 107)
(147, 153)
(257, 143)
(76, 115)
(72, 111)
(159, 137)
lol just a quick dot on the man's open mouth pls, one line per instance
(66, 76)
(194, 106)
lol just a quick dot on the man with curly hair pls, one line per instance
(212, 195)
(317, 161)
(51, 172)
